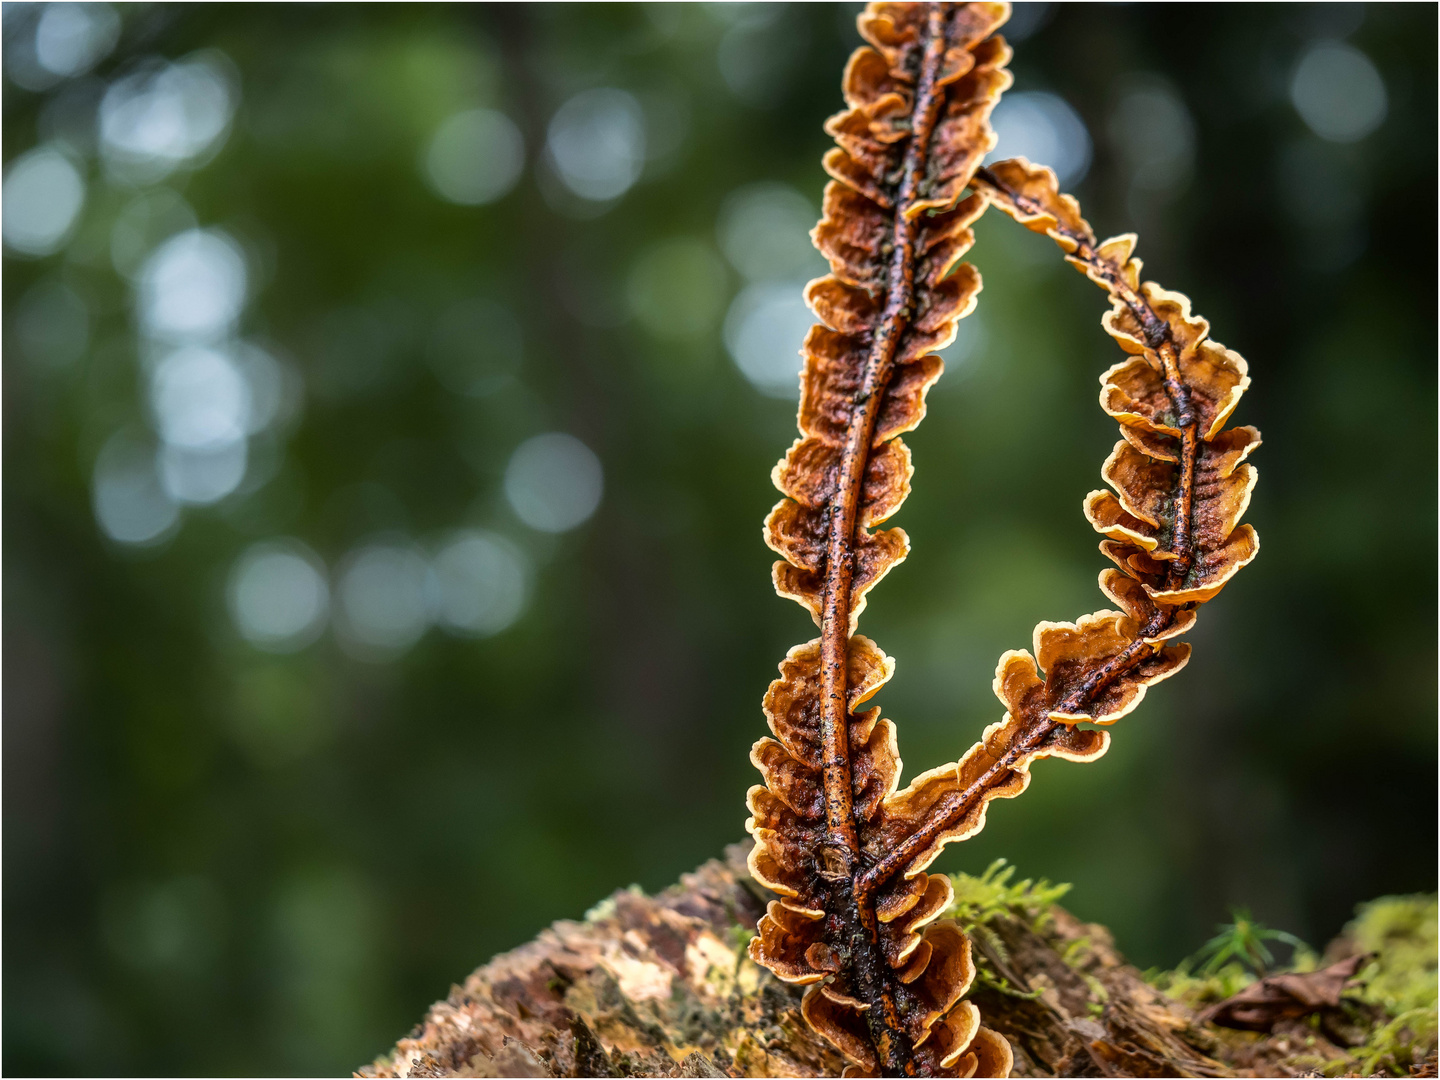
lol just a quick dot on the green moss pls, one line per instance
(1200, 989)
(980, 899)
(1401, 980)
(1395, 1002)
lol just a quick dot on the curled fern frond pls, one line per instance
(859, 919)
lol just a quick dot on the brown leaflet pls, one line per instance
(1179, 484)
(887, 975)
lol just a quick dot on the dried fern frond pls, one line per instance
(858, 915)
(887, 977)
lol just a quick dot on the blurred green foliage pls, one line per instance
(222, 858)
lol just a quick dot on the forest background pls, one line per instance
(390, 395)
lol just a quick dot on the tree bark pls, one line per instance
(660, 986)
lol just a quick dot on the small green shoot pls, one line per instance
(1241, 940)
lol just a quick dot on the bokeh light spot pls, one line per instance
(278, 596)
(274, 389)
(200, 399)
(479, 583)
(200, 477)
(554, 482)
(165, 115)
(71, 38)
(382, 600)
(193, 287)
(130, 504)
(1045, 129)
(596, 141)
(43, 194)
(1338, 93)
(764, 231)
(677, 288)
(475, 157)
(1154, 134)
(764, 329)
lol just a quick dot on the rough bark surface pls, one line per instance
(661, 986)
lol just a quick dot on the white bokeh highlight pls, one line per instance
(164, 116)
(1044, 128)
(200, 399)
(764, 231)
(278, 596)
(199, 477)
(478, 583)
(764, 329)
(71, 38)
(1338, 92)
(475, 157)
(382, 598)
(1153, 132)
(554, 482)
(596, 143)
(192, 288)
(43, 194)
(274, 390)
(130, 504)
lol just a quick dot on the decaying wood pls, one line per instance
(658, 986)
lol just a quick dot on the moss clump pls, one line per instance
(1388, 1025)
(981, 900)
(1229, 962)
(1202, 989)
(1400, 982)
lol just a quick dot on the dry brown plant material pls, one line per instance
(1287, 996)
(844, 848)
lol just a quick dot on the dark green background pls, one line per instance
(400, 822)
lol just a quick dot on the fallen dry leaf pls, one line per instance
(1288, 996)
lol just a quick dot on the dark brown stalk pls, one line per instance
(835, 626)
(862, 941)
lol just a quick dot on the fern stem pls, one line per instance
(873, 975)
(844, 507)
